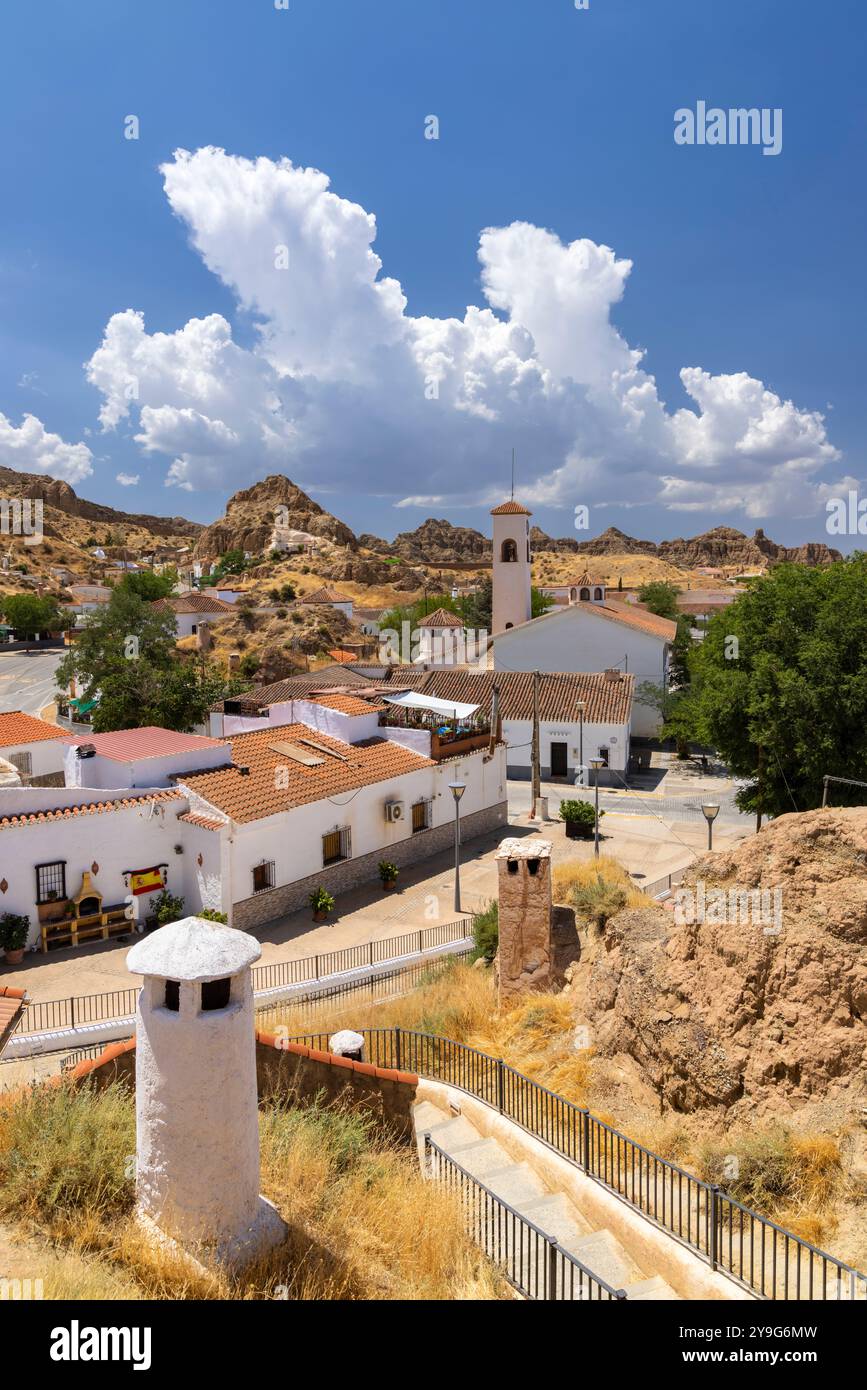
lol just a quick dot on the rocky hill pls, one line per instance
(60, 497)
(763, 1016)
(250, 516)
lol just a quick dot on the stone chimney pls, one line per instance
(524, 878)
(197, 1131)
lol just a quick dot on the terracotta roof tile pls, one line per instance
(194, 603)
(347, 704)
(511, 508)
(16, 727)
(88, 808)
(606, 701)
(256, 794)
(298, 687)
(440, 618)
(341, 657)
(326, 595)
(203, 822)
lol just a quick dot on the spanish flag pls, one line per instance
(145, 881)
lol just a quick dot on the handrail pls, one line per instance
(105, 1007)
(534, 1262)
(751, 1249)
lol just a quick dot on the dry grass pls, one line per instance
(536, 1035)
(570, 874)
(362, 1222)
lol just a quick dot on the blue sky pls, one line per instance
(549, 116)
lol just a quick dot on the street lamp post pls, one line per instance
(596, 764)
(457, 790)
(710, 811)
(581, 708)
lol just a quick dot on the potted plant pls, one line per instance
(388, 873)
(322, 903)
(14, 930)
(580, 819)
(168, 908)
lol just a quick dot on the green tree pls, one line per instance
(660, 597)
(122, 657)
(233, 562)
(148, 585)
(28, 614)
(780, 684)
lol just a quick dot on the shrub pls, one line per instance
(598, 900)
(168, 908)
(321, 900)
(211, 914)
(486, 932)
(388, 872)
(580, 813)
(14, 930)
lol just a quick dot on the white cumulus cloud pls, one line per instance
(31, 448)
(344, 388)
(127, 479)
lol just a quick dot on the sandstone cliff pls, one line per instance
(734, 1013)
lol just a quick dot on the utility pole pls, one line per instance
(759, 770)
(537, 771)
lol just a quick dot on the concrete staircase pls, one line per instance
(516, 1183)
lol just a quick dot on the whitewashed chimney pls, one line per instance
(197, 1133)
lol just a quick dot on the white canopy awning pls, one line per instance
(448, 709)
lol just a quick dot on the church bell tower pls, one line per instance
(511, 582)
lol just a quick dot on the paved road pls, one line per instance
(682, 808)
(27, 682)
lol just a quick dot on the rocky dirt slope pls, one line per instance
(733, 1013)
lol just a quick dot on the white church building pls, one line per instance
(589, 633)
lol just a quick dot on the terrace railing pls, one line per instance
(55, 1015)
(532, 1261)
(734, 1240)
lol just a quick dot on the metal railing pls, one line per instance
(749, 1248)
(531, 1260)
(53, 1015)
(380, 988)
(658, 886)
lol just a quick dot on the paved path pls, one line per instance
(27, 682)
(552, 1211)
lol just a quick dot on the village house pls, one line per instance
(330, 598)
(581, 715)
(193, 609)
(34, 747)
(88, 598)
(248, 824)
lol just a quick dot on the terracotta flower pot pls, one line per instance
(389, 885)
(15, 957)
(320, 916)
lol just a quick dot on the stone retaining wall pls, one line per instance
(287, 1069)
(254, 912)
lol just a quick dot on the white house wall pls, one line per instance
(100, 772)
(46, 755)
(518, 735)
(132, 838)
(293, 839)
(576, 640)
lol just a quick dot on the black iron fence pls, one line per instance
(52, 1015)
(532, 1261)
(744, 1245)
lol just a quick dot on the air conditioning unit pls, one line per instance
(394, 810)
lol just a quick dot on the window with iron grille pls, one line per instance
(23, 762)
(336, 845)
(421, 816)
(263, 876)
(51, 882)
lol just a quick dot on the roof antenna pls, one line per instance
(513, 475)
